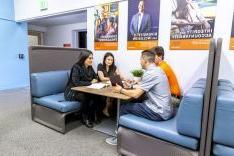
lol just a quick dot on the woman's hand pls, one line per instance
(94, 81)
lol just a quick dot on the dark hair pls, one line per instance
(159, 51)
(104, 60)
(84, 55)
(148, 55)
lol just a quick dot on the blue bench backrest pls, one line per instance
(189, 116)
(48, 83)
(224, 115)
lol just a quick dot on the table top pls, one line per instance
(103, 92)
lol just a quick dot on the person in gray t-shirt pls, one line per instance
(154, 83)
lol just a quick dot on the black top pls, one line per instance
(80, 76)
(106, 73)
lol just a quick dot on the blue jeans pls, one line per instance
(139, 109)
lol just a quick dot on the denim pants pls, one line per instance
(139, 109)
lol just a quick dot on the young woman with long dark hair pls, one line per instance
(82, 74)
(106, 69)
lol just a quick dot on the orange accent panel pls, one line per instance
(106, 45)
(141, 45)
(190, 44)
(232, 44)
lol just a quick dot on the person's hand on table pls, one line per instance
(117, 88)
(129, 83)
(94, 81)
(126, 84)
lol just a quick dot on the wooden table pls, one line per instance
(104, 92)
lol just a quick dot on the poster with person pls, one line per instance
(143, 23)
(106, 27)
(192, 24)
(232, 35)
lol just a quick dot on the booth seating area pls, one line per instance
(184, 129)
(223, 135)
(49, 73)
(47, 91)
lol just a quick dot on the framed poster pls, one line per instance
(143, 23)
(106, 27)
(192, 24)
(232, 35)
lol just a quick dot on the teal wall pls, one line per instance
(7, 9)
(13, 40)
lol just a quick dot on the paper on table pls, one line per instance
(97, 85)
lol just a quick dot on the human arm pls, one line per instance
(77, 76)
(100, 73)
(179, 22)
(149, 24)
(102, 77)
(131, 28)
(199, 15)
(134, 93)
(94, 76)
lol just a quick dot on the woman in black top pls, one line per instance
(105, 70)
(82, 74)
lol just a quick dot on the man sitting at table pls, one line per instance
(173, 82)
(154, 83)
(172, 79)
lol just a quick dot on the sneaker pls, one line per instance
(112, 141)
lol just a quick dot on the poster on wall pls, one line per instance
(232, 35)
(106, 27)
(143, 23)
(192, 24)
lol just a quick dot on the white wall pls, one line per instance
(223, 26)
(59, 35)
(37, 28)
(129, 60)
(188, 65)
(29, 9)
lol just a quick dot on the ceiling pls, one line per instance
(78, 17)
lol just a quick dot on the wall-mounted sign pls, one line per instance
(192, 24)
(106, 26)
(232, 35)
(143, 23)
(43, 5)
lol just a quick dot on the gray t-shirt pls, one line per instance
(155, 84)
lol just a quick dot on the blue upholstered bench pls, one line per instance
(223, 136)
(49, 106)
(183, 130)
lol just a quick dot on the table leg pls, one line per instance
(113, 140)
(118, 111)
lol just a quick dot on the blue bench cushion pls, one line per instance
(58, 103)
(201, 80)
(221, 150)
(222, 82)
(224, 118)
(47, 83)
(225, 87)
(165, 130)
(189, 115)
(199, 85)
